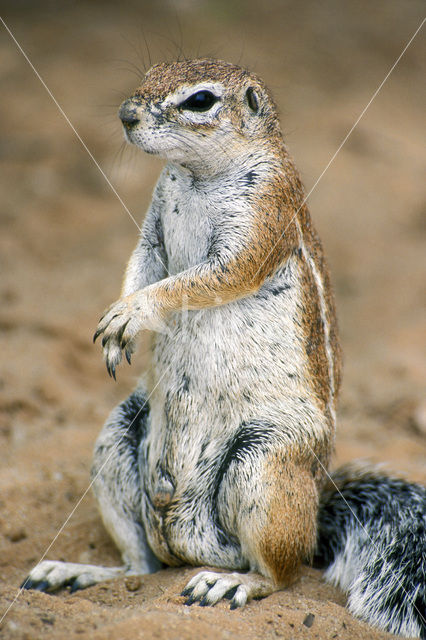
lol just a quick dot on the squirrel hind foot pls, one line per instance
(208, 588)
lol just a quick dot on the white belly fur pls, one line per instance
(206, 383)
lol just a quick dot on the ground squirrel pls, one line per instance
(220, 455)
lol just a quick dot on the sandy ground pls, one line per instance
(65, 239)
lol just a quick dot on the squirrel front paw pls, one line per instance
(120, 325)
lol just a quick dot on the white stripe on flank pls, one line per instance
(323, 309)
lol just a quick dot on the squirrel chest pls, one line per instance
(190, 212)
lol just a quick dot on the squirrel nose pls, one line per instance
(127, 113)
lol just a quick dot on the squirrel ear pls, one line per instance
(252, 99)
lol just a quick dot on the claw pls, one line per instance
(189, 601)
(231, 593)
(120, 332)
(128, 356)
(41, 586)
(105, 340)
(75, 587)
(111, 370)
(97, 334)
(27, 584)
(187, 591)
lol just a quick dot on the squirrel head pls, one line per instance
(200, 113)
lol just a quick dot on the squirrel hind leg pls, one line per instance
(287, 538)
(117, 483)
(268, 501)
(275, 524)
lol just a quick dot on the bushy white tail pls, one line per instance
(372, 542)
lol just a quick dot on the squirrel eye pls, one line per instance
(252, 99)
(200, 101)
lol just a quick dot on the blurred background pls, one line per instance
(65, 237)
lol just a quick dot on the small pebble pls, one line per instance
(17, 535)
(309, 620)
(133, 583)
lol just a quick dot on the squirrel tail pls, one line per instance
(372, 542)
